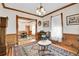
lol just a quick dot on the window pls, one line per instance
(56, 28)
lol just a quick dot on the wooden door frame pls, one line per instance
(17, 17)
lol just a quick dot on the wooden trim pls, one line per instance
(70, 34)
(35, 14)
(11, 34)
(25, 18)
(16, 29)
(4, 6)
(62, 23)
(36, 27)
(17, 17)
(60, 9)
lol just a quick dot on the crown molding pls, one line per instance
(24, 18)
(4, 6)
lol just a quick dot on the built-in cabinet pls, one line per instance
(3, 25)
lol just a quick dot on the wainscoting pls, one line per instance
(71, 40)
(11, 38)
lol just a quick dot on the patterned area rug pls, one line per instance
(33, 50)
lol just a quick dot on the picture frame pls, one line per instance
(39, 23)
(46, 24)
(72, 19)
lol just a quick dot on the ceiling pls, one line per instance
(31, 7)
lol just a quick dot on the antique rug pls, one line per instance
(33, 50)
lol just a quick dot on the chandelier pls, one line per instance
(40, 10)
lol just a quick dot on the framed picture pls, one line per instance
(72, 19)
(39, 23)
(46, 24)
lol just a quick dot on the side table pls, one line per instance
(44, 45)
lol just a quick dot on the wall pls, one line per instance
(72, 29)
(39, 28)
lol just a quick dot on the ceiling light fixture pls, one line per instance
(40, 11)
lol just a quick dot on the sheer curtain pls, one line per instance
(56, 28)
(33, 28)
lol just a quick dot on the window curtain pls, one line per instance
(56, 28)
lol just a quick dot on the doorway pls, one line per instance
(26, 29)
